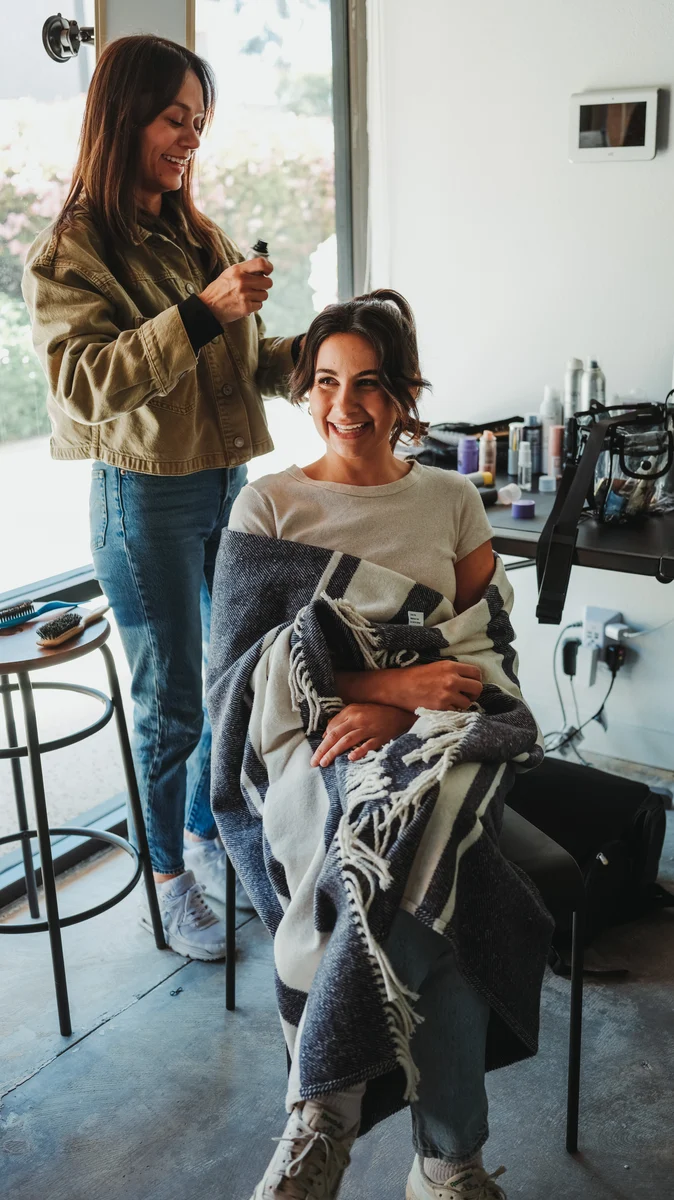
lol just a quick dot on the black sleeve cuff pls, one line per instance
(295, 348)
(200, 324)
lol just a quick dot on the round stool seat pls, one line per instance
(20, 652)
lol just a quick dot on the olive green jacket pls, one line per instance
(125, 385)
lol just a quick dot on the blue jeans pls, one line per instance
(154, 540)
(450, 1114)
(449, 1118)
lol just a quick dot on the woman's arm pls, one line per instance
(97, 371)
(441, 685)
(473, 576)
(444, 685)
(275, 362)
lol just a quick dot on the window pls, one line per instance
(266, 170)
(267, 167)
(43, 504)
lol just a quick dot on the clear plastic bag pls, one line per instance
(634, 474)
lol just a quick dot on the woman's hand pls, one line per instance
(360, 728)
(239, 291)
(444, 685)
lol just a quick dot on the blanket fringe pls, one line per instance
(364, 634)
(301, 685)
(366, 867)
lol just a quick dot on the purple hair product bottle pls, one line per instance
(469, 455)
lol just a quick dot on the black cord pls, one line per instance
(594, 717)
(571, 625)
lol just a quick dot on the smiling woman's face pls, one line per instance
(351, 411)
(168, 143)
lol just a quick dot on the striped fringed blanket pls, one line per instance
(328, 855)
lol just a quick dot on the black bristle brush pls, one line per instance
(67, 626)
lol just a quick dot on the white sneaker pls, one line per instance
(311, 1158)
(473, 1183)
(208, 861)
(191, 928)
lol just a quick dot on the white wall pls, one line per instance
(514, 258)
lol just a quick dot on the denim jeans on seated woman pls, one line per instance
(450, 1114)
(154, 540)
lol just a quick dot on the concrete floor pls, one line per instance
(162, 1095)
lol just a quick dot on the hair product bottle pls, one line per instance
(259, 250)
(533, 434)
(592, 385)
(550, 414)
(515, 429)
(572, 405)
(468, 454)
(524, 472)
(572, 378)
(556, 451)
(488, 452)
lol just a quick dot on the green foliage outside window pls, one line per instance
(258, 187)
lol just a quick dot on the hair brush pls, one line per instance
(18, 614)
(67, 626)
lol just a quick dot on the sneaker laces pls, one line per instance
(196, 912)
(475, 1188)
(333, 1160)
(486, 1189)
(491, 1190)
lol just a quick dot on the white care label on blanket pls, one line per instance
(414, 618)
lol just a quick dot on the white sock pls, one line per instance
(177, 885)
(439, 1170)
(343, 1107)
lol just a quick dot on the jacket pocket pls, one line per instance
(98, 509)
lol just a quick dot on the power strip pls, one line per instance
(595, 620)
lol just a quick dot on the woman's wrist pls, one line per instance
(388, 686)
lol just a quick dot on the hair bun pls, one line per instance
(394, 300)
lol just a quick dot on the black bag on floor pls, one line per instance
(613, 827)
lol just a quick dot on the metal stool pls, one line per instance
(19, 656)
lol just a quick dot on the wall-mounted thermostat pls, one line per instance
(617, 126)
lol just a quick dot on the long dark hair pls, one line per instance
(135, 79)
(385, 318)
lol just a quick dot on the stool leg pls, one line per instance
(20, 797)
(134, 798)
(46, 861)
(575, 1032)
(230, 936)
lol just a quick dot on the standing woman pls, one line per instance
(145, 320)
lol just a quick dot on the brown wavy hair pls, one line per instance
(135, 79)
(385, 318)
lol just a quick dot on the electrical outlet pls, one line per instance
(595, 621)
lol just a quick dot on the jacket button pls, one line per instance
(226, 390)
(239, 442)
(189, 287)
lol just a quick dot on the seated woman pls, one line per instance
(367, 722)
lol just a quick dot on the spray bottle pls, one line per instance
(259, 250)
(550, 414)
